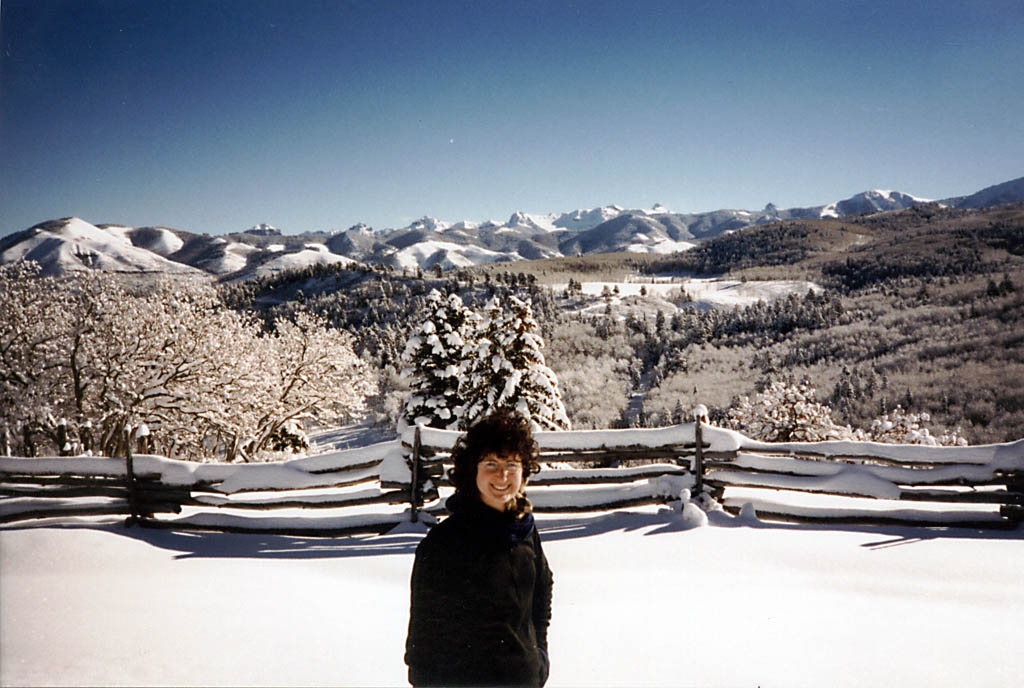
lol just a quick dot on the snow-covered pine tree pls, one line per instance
(507, 370)
(433, 357)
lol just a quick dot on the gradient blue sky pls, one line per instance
(214, 115)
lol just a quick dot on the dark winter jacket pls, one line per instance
(481, 601)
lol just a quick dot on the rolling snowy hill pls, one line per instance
(74, 245)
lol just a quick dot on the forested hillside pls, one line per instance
(933, 313)
(921, 309)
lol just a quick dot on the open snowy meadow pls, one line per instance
(641, 598)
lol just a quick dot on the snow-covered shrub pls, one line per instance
(387, 405)
(289, 438)
(785, 412)
(434, 356)
(901, 427)
(505, 369)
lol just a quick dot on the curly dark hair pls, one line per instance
(502, 433)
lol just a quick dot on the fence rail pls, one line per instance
(376, 488)
(953, 482)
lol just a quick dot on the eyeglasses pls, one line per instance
(491, 466)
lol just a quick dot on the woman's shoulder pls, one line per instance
(443, 535)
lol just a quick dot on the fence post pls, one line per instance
(700, 414)
(414, 488)
(698, 458)
(63, 449)
(27, 441)
(129, 471)
(86, 437)
(1014, 512)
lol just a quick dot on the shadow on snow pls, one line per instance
(403, 540)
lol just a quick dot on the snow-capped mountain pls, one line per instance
(313, 254)
(73, 244)
(427, 224)
(636, 233)
(874, 201)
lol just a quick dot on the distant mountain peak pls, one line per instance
(263, 229)
(871, 201)
(429, 224)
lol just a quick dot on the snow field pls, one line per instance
(641, 598)
(707, 290)
(784, 607)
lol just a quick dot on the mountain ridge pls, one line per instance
(72, 244)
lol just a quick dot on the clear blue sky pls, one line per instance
(214, 115)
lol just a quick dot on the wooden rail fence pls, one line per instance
(960, 486)
(374, 489)
(655, 471)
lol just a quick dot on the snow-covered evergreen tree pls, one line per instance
(434, 356)
(507, 370)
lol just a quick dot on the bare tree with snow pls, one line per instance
(34, 324)
(205, 379)
(311, 373)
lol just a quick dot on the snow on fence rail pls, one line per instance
(375, 488)
(352, 488)
(670, 454)
(979, 486)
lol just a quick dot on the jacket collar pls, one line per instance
(480, 517)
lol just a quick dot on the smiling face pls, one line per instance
(499, 479)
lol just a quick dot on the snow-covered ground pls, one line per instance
(710, 291)
(640, 599)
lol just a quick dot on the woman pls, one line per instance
(481, 586)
